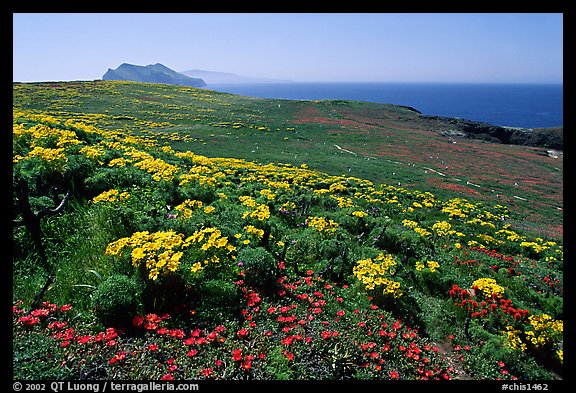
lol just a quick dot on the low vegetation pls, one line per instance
(139, 256)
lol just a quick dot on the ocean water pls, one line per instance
(512, 105)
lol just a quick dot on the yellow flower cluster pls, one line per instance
(268, 194)
(442, 228)
(213, 244)
(374, 273)
(247, 200)
(117, 162)
(545, 333)
(261, 213)
(546, 330)
(158, 251)
(480, 222)
(321, 224)
(194, 158)
(489, 287)
(414, 225)
(458, 207)
(536, 247)
(43, 135)
(514, 340)
(432, 266)
(187, 207)
(54, 157)
(259, 233)
(342, 201)
(93, 153)
(359, 214)
(160, 169)
(112, 195)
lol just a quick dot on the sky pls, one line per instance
(303, 47)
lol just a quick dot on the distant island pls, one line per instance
(213, 77)
(152, 73)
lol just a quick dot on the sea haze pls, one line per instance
(512, 105)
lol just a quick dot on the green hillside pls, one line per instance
(166, 232)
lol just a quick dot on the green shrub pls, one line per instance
(216, 301)
(116, 300)
(260, 268)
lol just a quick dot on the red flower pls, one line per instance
(29, 320)
(178, 333)
(57, 325)
(281, 265)
(83, 339)
(191, 353)
(242, 333)
(288, 355)
(247, 365)
(288, 340)
(153, 347)
(138, 320)
(207, 371)
(340, 313)
(119, 356)
(394, 374)
(66, 307)
(237, 354)
(167, 377)
(309, 272)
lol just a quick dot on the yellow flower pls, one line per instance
(433, 265)
(322, 224)
(489, 287)
(374, 273)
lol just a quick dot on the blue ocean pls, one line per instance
(512, 105)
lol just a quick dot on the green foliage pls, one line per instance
(278, 366)
(215, 301)
(260, 268)
(35, 357)
(116, 300)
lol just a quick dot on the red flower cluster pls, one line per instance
(464, 299)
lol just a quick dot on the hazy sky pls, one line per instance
(396, 47)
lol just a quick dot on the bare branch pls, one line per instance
(58, 209)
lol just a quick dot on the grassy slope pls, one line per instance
(382, 143)
(385, 144)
